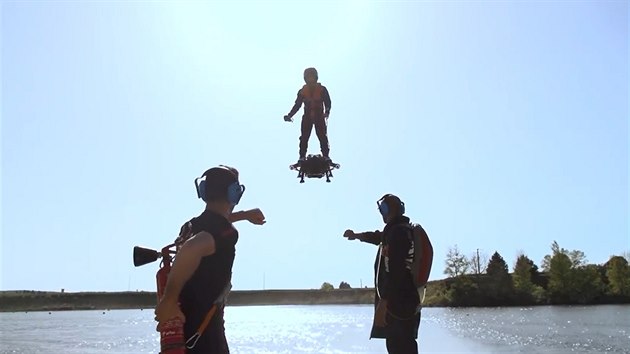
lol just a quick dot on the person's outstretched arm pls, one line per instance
(255, 216)
(373, 237)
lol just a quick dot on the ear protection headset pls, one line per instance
(383, 206)
(233, 192)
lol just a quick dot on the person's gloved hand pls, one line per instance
(350, 235)
(288, 118)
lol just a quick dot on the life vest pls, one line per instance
(313, 100)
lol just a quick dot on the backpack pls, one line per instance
(422, 256)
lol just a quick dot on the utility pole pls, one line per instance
(478, 263)
(263, 280)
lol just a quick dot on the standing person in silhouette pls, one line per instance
(316, 100)
(397, 302)
(200, 278)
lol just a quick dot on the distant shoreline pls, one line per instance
(462, 291)
(19, 301)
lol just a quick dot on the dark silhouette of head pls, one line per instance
(390, 207)
(310, 75)
(220, 185)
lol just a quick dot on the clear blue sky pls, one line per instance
(502, 125)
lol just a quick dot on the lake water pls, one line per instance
(332, 329)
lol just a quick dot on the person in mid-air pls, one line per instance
(316, 101)
(397, 302)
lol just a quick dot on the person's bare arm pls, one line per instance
(186, 262)
(255, 216)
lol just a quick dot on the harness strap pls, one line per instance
(201, 328)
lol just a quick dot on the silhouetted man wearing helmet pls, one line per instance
(397, 302)
(317, 103)
(202, 270)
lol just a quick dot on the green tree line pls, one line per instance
(565, 277)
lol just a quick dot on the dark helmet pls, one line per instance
(310, 71)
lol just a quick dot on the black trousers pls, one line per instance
(320, 130)
(401, 334)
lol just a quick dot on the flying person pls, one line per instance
(316, 100)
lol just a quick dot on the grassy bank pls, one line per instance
(462, 291)
(18, 301)
(28, 300)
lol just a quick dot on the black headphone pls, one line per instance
(233, 192)
(384, 207)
